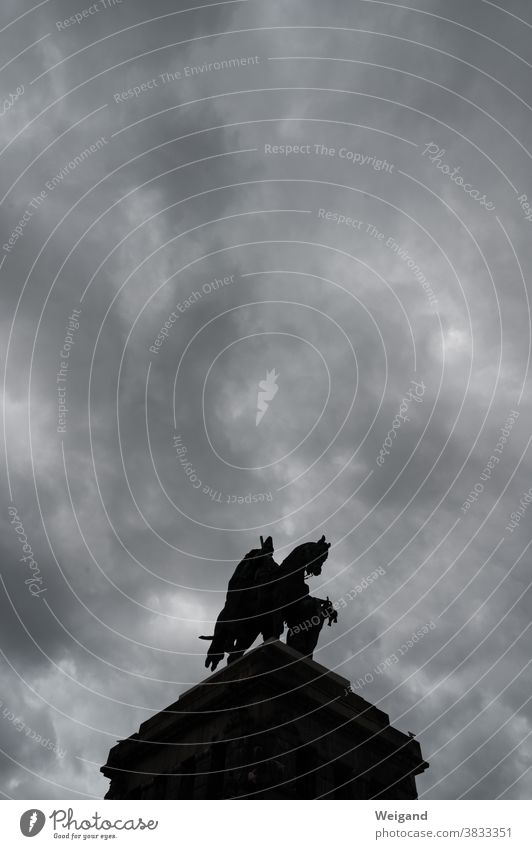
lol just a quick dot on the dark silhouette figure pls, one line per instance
(279, 725)
(263, 597)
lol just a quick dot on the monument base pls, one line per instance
(272, 725)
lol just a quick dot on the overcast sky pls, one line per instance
(336, 192)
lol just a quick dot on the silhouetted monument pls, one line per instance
(273, 723)
(262, 597)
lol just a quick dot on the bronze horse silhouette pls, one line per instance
(263, 597)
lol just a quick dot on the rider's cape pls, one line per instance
(250, 586)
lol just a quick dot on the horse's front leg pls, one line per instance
(242, 644)
(305, 623)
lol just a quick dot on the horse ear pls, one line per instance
(323, 538)
(267, 545)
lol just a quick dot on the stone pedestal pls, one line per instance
(272, 725)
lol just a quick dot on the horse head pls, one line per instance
(309, 556)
